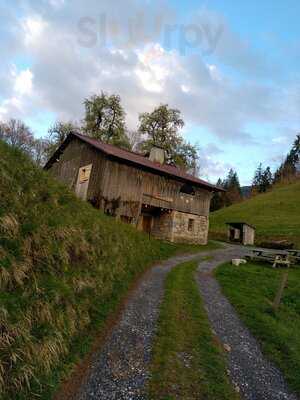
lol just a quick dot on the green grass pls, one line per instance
(187, 362)
(251, 288)
(274, 214)
(64, 268)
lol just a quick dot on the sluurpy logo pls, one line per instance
(137, 30)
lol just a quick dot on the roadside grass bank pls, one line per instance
(187, 361)
(64, 269)
(251, 288)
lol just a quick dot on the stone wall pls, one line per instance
(189, 228)
(162, 226)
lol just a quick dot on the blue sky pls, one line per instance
(232, 68)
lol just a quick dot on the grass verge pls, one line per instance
(250, 289)
(187, 362)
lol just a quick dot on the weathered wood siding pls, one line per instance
(123, 188)
(133, 185)
(76, 155)
(248, 235)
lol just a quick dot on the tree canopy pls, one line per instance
(105, 119)
(161, 128)
(17, 134)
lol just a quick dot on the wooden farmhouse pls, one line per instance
(158, 198)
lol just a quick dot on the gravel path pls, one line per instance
(119, 371)
(251, 373)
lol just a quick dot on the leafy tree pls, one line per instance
(17, 134)
(105, 119)
(186, 157)
(161, 127)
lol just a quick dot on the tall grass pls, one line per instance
(63, 268)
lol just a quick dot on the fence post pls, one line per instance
(279, 293)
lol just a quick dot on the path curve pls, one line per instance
(255, 376)
(119, 370)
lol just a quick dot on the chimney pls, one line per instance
(157, 154)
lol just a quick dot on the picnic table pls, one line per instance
(295, 255)
(275, 257)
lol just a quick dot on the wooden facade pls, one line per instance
(156, 202)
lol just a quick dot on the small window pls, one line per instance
(191, 225)
(84, 173)
(187, 189)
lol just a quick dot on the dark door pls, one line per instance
(147, 223)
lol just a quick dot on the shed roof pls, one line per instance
(239, 224)
(133, 158)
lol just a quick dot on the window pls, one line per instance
(84, 173)
(82, 184)
(187, 189)
(191, 225)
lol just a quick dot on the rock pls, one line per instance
(238, 261)
(227, 347)
(237, 389)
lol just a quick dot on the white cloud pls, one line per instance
(21, 89)
(33, 27)
(57, 4)
(153, 68)
(280, 140)
(63, 72)
(23, 82)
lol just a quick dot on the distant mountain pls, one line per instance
(246, 191)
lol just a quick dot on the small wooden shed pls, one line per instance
(241, 232)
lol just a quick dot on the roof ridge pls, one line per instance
(109, 144)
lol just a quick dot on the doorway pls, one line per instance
(147, 223)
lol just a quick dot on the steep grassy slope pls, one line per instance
(63, 268)
(275, 214)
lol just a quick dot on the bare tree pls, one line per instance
(17, 134)
(40, 151)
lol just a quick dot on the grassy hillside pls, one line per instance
(274, 214)
(64, 267)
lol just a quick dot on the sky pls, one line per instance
(231, 68)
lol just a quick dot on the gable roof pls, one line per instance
(131, 157)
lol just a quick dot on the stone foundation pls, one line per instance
(162, 226)
(181, 228)
(189, 228)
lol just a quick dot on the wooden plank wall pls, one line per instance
(114, 184)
